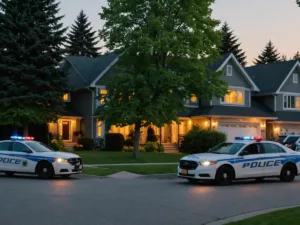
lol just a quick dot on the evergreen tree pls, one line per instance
(283, 58)
(81, 39)
(230, 44)
(269, 55)
(31, 83)
(297, 56)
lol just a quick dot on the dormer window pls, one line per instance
(235, 97)
(103, 94)
(295, 78)
(66, 97)
(228, 70)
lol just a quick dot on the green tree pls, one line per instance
(82, 40)
(283, 58)
(166, 48)
(297, 56)
(269, 55)
(31, 84)
(230, 44)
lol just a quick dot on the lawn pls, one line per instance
(102, 157)
(143, 170)
(287, 216)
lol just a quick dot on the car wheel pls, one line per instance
(193, 181)
(287, 173)
(45, 171)
(224, 176)
(10, 174)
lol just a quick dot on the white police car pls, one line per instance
(24, 155)
(244, 158)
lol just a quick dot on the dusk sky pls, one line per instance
(254, 22)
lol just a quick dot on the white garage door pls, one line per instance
(233, 130)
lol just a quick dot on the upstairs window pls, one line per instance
(234, 97)
(228, 70)
(295, 78)
(103, 94)
(66, 97)
(194, 99)
(99, 128)
(291, 102)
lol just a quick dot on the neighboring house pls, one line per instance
(235, 114)
(279, 86)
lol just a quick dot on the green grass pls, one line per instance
(143, 170)
(102, 157)
(286, 216)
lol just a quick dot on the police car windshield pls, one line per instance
(39, 147)
(226, 148)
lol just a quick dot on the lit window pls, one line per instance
(193, 98)
(291, 102)
(234, 97)
(99, 129)
(295, 78)
(103, 92)
(229, 70)
(66, 97)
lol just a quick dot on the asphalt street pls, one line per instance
(85, 200)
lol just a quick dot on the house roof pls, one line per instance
(256, 110)
(70, 111)
(89, 69)
(270, 77)
(216, 65)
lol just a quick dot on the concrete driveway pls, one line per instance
(142, 201)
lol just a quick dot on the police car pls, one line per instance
(24, 155)
(244, 158)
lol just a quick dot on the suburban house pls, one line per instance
(279, 86)
(255, 105)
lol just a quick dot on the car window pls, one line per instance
(272, 148)
(39, 147)
(19, 147)
(226, 148)
(280, 138)
(253, 149)
(4, 146)
(291, 140)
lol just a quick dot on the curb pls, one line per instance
(161, 176)
(248, 215)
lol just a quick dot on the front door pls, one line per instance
(66, 130)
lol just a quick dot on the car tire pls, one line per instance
(288, 173)
(45, 170)
(224, 176)
(10, 174)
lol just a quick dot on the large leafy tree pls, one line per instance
(31, 84)
(269, 55)
(230, 44)
(166, 47)
(296, 56)
(82, 40)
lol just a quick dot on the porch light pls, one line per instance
(190, 122)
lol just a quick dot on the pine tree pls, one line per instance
(297, 56)
(31, 83)
(81, 39)
(269, 55)
(230, 44)
(283, 58)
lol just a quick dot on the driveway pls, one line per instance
(142, 201)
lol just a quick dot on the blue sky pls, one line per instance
(254, 22)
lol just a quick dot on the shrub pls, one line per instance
(114, 142)
(57, 144)
(130, 149)
(151, 137)
(86, 143)
(151, 147)
(198, 140)
(160, 148)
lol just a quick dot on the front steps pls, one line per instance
(69, 146)
(170, 148)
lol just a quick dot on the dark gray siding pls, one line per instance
(268, 101)
(289, 86)
(82, 102)
(193, 104)
(205, 102)
(237, 79)
(279, 102)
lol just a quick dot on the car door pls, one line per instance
(249, 162)
(26, 164)
(5, 156)
(273, 156)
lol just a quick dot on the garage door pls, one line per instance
(233, 130)
(290, 129)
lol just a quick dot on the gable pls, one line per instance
(288, 85)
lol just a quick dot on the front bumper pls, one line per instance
(200, 173)
(66, 168)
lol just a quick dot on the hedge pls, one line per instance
(114, 142)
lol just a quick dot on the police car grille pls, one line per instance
(188, 165)
(74, 161)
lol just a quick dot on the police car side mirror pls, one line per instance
(27, 151)
(243, 153)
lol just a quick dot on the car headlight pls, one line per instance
(60, 160)
(207, 163)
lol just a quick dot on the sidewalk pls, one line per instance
(128, 164)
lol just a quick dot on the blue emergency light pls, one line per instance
(248, 138)
(26, 138)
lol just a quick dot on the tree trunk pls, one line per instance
(137, 131)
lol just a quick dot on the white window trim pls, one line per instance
(289, 109)
(234, 104)
(227, 69)
(295, 78)
(69, 97)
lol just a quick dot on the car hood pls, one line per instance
(65, 155)
(206, 157)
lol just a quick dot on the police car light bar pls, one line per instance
(249, 138)
(21, 138)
